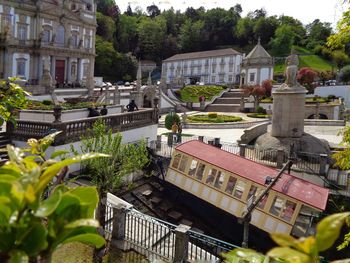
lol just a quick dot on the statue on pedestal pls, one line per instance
(47, 82)
(292, 63)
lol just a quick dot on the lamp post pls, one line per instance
(246, 218)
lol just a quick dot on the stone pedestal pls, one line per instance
(288, 112)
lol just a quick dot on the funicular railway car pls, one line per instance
(228, 181)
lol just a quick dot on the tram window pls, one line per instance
(276, 206)
(252, 192)
(200, 171)
(176, 160)
(230, 184)
(288, 211)
(193, 167)
(183, 163)
(219, 180)
(211, 176)
(239, 189)
(262, 202)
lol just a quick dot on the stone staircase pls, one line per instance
(4, 140)
(338, 177)
(230, 101)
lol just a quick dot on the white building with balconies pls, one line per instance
(220, 66)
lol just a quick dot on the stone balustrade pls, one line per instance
(72, 131)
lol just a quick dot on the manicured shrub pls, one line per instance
(212, 115)
(47, 102)
(260, 110)
(170, 118)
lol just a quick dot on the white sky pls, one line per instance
(304, 10)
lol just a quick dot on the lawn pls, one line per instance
(192, 93)
(204, 118)
(306, 59)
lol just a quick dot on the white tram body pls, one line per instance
(228, 181)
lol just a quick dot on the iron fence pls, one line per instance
(206, 248)
(150, 234)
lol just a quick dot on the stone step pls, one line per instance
(333, 175)
(227, 100)
(343, 177)
(230, 94)
(223, 108)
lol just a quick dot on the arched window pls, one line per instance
(60, 35)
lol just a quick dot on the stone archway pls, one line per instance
(320, 116)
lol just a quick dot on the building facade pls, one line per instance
(256, 67)
(209, 67)
(58, 35)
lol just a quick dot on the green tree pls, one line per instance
(344, 74)
(339, 58)
(297, 27)
(190, 36)
(106, 26)
(244, 31)
(265, 28)
(282, 42)
(153, 11)
(341, 38)
(108, 173)
(342, 158)
(12, 97)
(151, 34)
(127, 35)
(32, 227)
(317, 33)
(106, 57)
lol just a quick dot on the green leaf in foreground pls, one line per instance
(91, 239)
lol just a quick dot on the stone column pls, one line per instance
(8, 64)
(90, 77)
(53, 67)
(181, 244)
(242, 148)
(288, 112)
(79, 70)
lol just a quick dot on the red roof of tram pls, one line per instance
(289, 185)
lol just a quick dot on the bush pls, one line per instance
(260, 110)
(170, 118)
(47, 102)
(212, 115)
(257, 115)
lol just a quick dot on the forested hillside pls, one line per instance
(155, 35)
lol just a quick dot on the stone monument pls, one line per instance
(47, 82)
(288, 116)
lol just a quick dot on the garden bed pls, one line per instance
(192, 93)
(258, 115)
(207, 118)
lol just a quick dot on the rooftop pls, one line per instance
(289, 185)
(203, 54)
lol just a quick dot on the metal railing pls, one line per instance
(156, 238)
(150, 234)
(206, 248)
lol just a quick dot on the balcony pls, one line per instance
(73, 131)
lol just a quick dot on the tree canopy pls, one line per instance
(156, 35)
